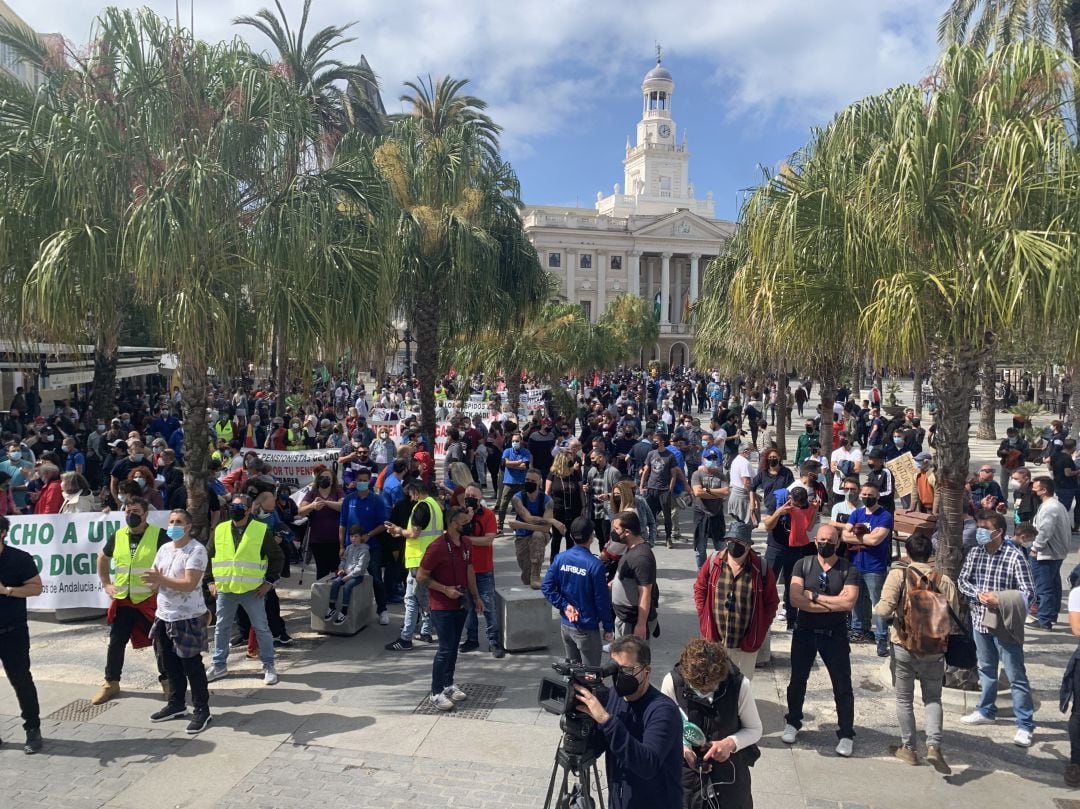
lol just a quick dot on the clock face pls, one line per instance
(664, 130)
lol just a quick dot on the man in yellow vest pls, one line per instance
(294, 439)
(223, 427)
(130, 551)
(245, 561)
(425, 524)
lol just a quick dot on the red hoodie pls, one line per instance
(764, 600)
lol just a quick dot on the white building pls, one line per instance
(9, 60)
(654, 240)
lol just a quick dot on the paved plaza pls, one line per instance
(342, 728)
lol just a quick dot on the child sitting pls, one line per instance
(351, 573)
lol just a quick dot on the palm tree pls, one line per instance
(626, 328)
(948, 214)
(999, 22)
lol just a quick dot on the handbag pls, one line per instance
(961, 651)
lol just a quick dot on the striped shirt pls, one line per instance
(1005, 569)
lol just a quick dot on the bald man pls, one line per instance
(824, 588)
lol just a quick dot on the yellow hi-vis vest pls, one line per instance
(224, 431)
(415, 546)
(294, 439)
(239, 568)
(129, 570)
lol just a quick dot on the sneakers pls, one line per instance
(109, 690)
(33, 742)
(535, 584)
(215, 673)
(340, 618)
(238, 640)
(384, 618)
(269, 676)
(399, 645)
(455, 693)
(937, 760)
(426, 637)
(284, 639)
(468, 646)
(1072, 775)
(198, 723)
(790, 734)
(845, 748)
(168, 712)
(1022, 738)
(442, 702)
(498, 652)
(670, 544)
(883, 648)
(977, 718)
(329, 614)
(905, 754)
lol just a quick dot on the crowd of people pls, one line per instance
(635, 454)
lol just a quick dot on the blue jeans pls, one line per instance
(1047, 576)
(255, 607)
(1011, 655)
(448, 625)
(416, 608)
(375, 569)
(869, 593)
(337, 586)
(1066, 496)
(485, 585)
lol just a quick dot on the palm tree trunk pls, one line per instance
(513, 389)
(828, 398)
(281, 373)
(952, 372)
(1074, 396)
(780, 428)
(196, 446)
(425, 328)
(103, 395)
(987, 430)
(917, 382)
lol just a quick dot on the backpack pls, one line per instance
(923, 622)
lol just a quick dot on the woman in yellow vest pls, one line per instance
(130, 552)
(425, 524)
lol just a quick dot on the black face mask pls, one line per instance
(133, 520)
(529, 487)
(870, 502)
(625, 685)
(826, 549)
(324, 483)
(774, 462)
(237, 512)
(472, 502)
(737, 550)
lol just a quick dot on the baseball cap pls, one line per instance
(923, 456)
(119, 442)
(876, 452)
(740, 531)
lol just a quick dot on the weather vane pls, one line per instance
(659, 53)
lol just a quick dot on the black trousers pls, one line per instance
(806, 644)
(127, 618)
(327, 557)
(1074, 719)
(183, 671)
(781, 561)
(557, 545)
(15, 657)
(660, 500)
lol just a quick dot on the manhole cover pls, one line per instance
(482, 698)
(79, 711)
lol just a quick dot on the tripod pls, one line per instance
(583, 766)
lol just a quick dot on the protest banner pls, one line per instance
(397, 430)
(294, 468)
(65, 548)
(903, 469)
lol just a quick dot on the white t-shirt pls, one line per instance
(740, 468)
(172, 605)
(854, 455)
(1074, 599)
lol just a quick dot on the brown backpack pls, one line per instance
(923, 622)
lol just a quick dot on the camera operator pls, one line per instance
(714, 695)
(576, 585)
(641, 731)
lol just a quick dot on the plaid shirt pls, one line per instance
(983, 572)
(188, 637)
(732, 603)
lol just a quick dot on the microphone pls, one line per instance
(693, 736)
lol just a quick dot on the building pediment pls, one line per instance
(684, 225)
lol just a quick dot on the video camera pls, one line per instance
(558, 696)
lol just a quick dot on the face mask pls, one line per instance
(705, 696)
(736, 550)
(516, 444)
(472, 502)
(133, 520)
(706, 444)
(175, 532)
(141, 482)
(851, 497)
(826, 549)
(15, 455)
(101, 428)
(258, 514)
(625, 685)
(898, 442)
(324, 483)
(809, 429)
(384, 436)
(1013, 485)
(137, 456)
(237, 512)
(870, 502)
(362, 485)
(121, 498)
(983, 536)
(1012, 440)
(530, 486)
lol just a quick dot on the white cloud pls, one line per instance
(539, 63)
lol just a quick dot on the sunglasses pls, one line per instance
(823, 581)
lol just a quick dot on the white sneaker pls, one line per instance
(455, 693)
(977, 718)
(790, 734)
(442, 702)
(384, 619)
(1022, 738)
(845, 747)
(215, 673)
(269, 676)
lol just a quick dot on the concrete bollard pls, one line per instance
(524, 617)
(361, 608)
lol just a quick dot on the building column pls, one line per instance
(650, 277)
(633, 269)
(665, 288)
(571, 271)
(601, 282)
(676, 309)
(695, 279)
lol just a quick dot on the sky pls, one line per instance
(563, 78)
